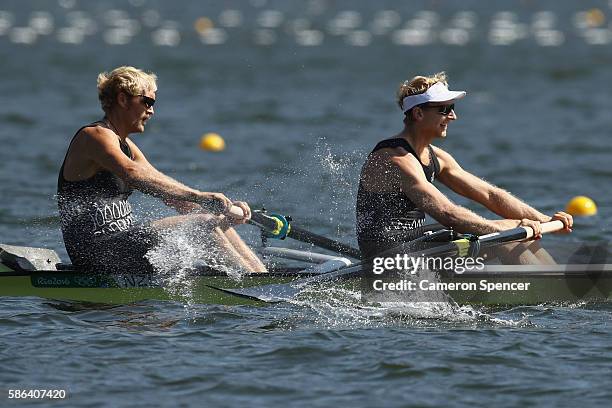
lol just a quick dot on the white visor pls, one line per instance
(438, 92)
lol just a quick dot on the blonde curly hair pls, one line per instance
(418, 85)
(130, 80)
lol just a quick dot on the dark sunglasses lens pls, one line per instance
(149, 101)
(446, 110)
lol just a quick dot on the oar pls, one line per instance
(282, 292)
(279, 227)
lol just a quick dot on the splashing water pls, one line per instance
(340, 172)
(180, 253)
(336, 306)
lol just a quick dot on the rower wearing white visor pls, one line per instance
(396, 187)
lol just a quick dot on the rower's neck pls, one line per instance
(418, 143)
(114, 123)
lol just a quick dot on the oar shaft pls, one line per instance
(300, 234)
(269, 223)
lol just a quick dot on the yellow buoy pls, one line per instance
(595, 18)
(581, 206)
(212, 142)
(203, 24)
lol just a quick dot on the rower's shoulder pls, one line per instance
(94, 139)
(393, 156)
(390, 147)
(96, 133)
(405, 160)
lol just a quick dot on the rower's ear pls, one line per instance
(122, 100)
(417, 113)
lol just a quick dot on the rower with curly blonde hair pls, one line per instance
(129, 80)
(103, 166)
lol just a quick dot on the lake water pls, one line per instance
(301, 91)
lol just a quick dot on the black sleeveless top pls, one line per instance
(384, 217)
(95, 208)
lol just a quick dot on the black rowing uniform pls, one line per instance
(97, 221)
(387, 219)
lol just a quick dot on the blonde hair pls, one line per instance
(418, 85)
(130, 80)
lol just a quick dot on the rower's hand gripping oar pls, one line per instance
(521, 233)
(282, 292)
(278, 226)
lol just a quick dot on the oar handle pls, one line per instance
(236, 211)
(547, 227)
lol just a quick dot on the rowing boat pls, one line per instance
(39, 272)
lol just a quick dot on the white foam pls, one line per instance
(151, 18)
(431, 16)
(465, 19)
(299, 24)
(412, 36)
(455, 36)
(549, 38)
(359, 38)
(67, 4)
(179, 253)
(505, 30)
(309, 38)
(41, 22)
(543, 20)
(597, 36)
(81, 21)
(214, 36)
(6, 21)
(264, 37)
(23, 35)
(344, 22)
(384, 21)
(270, 18)
(230, 18)
(117, 36)
(111, 16)
(167, 35)
(129, 25)
(70, 35)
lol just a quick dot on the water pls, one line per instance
(217, 356)
(298, 121)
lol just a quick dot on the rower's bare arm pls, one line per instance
(431, 200)
(492, 197)
(103, 149)
(182, 206)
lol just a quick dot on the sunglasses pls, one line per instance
(148, 102)
(443, 109)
